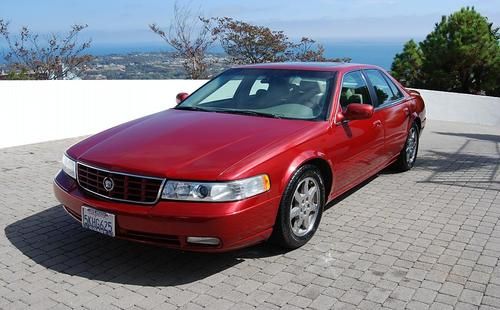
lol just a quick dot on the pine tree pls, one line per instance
(461, 54)
(407, 65)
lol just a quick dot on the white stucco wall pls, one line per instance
(463, 108)
(37, 111)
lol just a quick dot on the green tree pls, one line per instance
(407, 65)
(19, 75)
(461, 54)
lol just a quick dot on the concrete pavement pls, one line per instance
(425, 239)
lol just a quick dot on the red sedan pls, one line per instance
(254, 154)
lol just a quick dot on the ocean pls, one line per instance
(378, 53)
(374, 53)
(370, 52)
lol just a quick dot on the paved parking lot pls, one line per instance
(428, 238)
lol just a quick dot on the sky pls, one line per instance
(125, 22)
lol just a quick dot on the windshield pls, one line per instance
(295, 94)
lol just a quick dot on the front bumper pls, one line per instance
(169, 223)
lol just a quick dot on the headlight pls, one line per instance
(216, 191)
(69, 166)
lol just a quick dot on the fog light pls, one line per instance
(203, 240)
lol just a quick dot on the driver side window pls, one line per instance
(354, 90)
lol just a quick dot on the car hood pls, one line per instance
(184, 144)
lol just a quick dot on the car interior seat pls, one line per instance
(355, 98)
(310, 95)
(345, 94)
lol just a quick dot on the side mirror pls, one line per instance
(357, 111)
(181, 97)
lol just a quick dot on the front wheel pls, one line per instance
(408, 155)
(300, 209)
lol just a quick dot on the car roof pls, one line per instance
(311, 66)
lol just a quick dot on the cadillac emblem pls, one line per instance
(108, 184)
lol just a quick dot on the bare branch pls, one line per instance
(54, 58)
(190, 37)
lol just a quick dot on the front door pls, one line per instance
(359, 144)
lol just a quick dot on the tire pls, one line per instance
(294, 229)
(408, 154)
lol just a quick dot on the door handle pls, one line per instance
(407, 111)
(377, 123)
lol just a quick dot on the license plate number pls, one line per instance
(99, 221)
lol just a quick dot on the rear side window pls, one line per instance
(381, 87)
(354, 90)
(395, 90)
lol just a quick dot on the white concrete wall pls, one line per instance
(463, 108)
(37, 111)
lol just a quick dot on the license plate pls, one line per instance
(99, 221)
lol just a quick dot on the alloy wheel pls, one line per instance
(304, 207)
(411, 146)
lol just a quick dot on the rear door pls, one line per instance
(358, 144)
(392, 108)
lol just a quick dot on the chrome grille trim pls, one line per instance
(160, 189)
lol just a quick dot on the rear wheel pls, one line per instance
(300, 209)
(408, 155)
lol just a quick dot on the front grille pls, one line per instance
(126, 187)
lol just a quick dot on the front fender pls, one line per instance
(302, 159)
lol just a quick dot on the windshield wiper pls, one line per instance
(242, 112)
(191, 108)
(248, 112)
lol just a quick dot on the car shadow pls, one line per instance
(350, 192)
(54, 240)
(476, 171)
(476, 136)
(474, 164)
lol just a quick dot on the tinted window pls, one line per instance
(354, 89)
(395, 90)
(382, 89)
